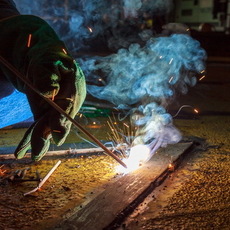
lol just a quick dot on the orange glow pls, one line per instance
(64, 51)
(202, 77)
(196, 111)
(29, 40)
(56, 131)
(53, 95)
(94, 126)
(171, 166)
(1, 170)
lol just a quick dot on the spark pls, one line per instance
(56, 131)
(65, 52)
(202, 77)
(94, 125)
(29, 40)
(90, 29)
(125, 125)
(196, 111)
(184, 106)
(170, 79)
(171, 166)
(69, 99)
(121, 136)
(101, 80)
(171, 61)
(122, 141)
(53, 95)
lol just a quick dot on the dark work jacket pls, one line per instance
(7, 9)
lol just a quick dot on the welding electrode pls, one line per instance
(59, 109)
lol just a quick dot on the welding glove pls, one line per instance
(31, 46)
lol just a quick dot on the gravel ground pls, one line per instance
(74, 182)
(197, 196)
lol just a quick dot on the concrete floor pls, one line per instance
(197, 196)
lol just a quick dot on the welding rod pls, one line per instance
(59, 109)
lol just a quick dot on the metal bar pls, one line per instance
(59, 109)
(49, 174)
(44, 179)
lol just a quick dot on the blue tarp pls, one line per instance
(13, 109)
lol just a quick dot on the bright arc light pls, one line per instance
(138, 155)
(90, 29)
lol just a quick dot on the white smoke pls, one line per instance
(144, 79)
(144, 75)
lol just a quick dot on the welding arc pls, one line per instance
(59, 109)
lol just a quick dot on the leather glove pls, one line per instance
(32, 47)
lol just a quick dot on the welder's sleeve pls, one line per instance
(8, 9)
(32, 47)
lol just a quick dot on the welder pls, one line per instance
(31, 46)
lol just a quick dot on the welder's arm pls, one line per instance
(7, 9)
(34, 49)
(66, 87)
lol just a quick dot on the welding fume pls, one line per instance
(157, 67)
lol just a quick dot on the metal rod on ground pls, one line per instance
(44, 179)
(59, 109)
